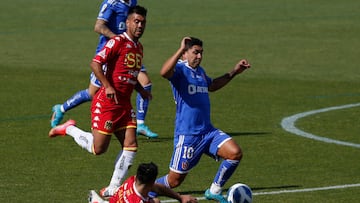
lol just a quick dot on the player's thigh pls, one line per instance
(101, 142)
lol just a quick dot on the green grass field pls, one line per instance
(304, 56)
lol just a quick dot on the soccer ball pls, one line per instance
(239, 193)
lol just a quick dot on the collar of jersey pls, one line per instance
(127, 36)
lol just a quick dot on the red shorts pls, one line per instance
(108, 117)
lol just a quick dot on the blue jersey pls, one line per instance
(190, 90)
(114, 12)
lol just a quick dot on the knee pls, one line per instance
(175, 183)
(98, 150)
(237, 154)
(234, 153)
(175, 180)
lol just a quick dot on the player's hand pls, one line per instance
(242, 65)
(111, 94)
(188, 199)
(183, 43)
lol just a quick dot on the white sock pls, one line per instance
(62, 108)
(139, 122)
(215, 189)
(84, 139)
(122, 164)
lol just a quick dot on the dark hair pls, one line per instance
(147, 173)
(193, 41)
(138, 10)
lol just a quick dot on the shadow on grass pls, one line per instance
(252, 188)
(233, 134)
(167, 139)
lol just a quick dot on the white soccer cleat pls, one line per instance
(95, 198)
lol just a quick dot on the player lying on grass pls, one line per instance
(136, 188)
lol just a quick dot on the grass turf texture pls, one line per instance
(305, 56)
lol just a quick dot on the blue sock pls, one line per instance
(162, 181)
(77, 99)
(226, 169)
(142, 104)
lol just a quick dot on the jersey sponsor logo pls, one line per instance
(133, 60)
(193, 89)
(122, 26)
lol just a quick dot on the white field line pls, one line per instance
(288, 124)
(308, 189)
(276, 192)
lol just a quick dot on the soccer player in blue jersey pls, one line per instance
(110, 22)
(194, 133)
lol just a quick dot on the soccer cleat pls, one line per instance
(142, 129)
(219, 197)
(94, 197)
(107, 192)
(57, 115)
(60, 130)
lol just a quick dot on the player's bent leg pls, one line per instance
(75, 100)
(175, 179)
(142, 106)
(231, 152)
(101, 142)
(170, 180)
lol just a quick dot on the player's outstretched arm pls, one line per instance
(165, 191)
(221, 81)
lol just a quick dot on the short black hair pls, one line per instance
(147, 173)
(138, 10)
(193, 41)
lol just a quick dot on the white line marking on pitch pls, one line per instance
(308, 189)
(288, 124)
(289, 191)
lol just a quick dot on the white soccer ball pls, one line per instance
(239, 193)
